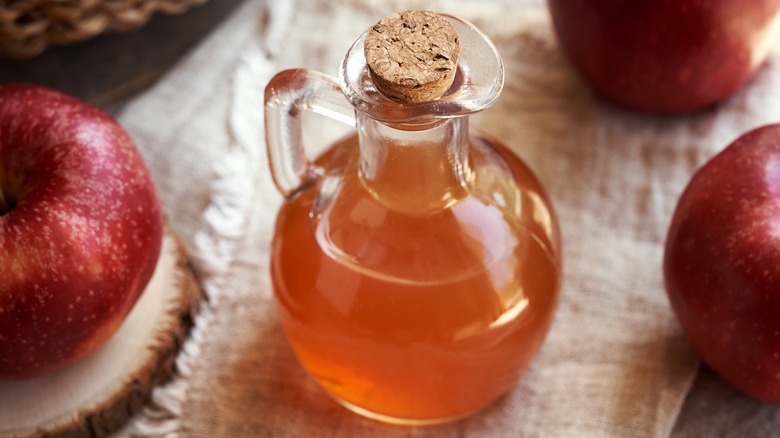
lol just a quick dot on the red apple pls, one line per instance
(80, 229)
(722, 263)
(665, 55)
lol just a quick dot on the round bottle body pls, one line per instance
(421, 315)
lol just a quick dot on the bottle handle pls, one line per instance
(288, 94)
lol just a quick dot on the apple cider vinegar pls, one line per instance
(416, 265)
(411, 315)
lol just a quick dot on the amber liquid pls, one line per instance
(417, 317)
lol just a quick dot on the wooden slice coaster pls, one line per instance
(98, 394)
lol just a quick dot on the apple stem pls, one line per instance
(3, 203)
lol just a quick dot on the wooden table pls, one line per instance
(110, 68)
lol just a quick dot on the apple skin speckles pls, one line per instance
(722, 263)
(82, 236)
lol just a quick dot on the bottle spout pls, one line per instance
(476, 82)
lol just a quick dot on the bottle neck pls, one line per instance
(414, 169)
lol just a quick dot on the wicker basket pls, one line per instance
(28, 26)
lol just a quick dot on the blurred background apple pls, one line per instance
(666, 55)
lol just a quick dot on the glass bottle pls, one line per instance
(416, 264)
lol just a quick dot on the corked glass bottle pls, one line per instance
(416, 265)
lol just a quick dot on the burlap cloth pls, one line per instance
(615, 363)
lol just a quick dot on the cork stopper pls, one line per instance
(412, 55)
